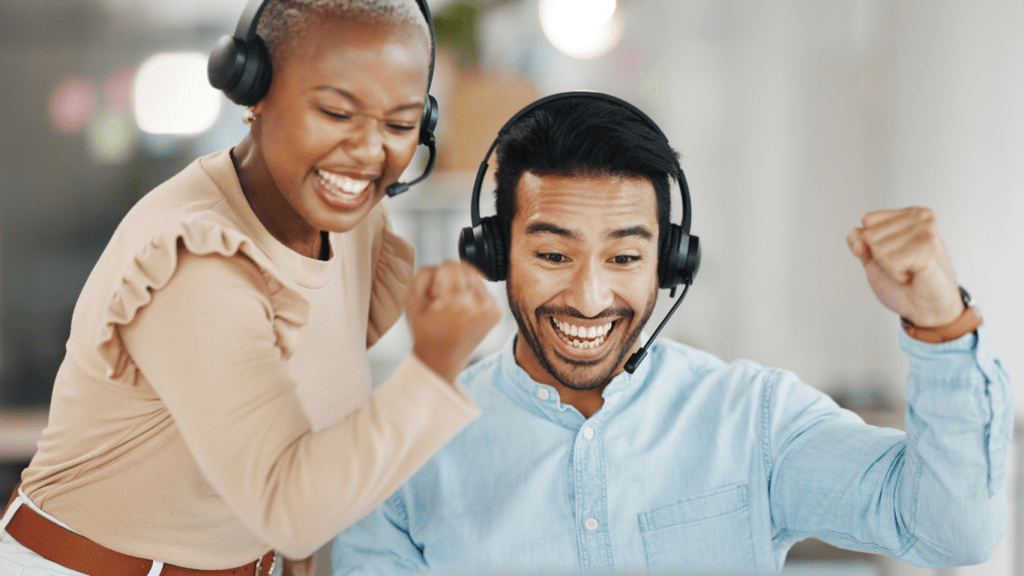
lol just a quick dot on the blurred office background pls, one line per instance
(793, 118)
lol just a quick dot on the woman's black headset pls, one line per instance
(483, 244)
(240, 66)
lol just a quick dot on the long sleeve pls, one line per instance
(206, 345)
(933, 496)
(378, 544)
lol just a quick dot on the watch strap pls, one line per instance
(967, 322)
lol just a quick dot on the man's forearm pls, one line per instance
(959, 427)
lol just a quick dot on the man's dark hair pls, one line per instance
(583, 137)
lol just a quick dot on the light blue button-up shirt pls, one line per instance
(693, 464)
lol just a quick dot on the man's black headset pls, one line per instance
(483, 244)
(240, 66)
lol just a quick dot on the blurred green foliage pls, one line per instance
(457, 28)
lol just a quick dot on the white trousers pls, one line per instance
(16, 560)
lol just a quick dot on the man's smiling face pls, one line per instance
(582, 278)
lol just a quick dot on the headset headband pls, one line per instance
(249, 22)
(250, 19)
(482, 171)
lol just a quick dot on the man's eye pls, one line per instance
(625, 259)
(552, 257)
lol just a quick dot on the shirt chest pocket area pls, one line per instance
(709, 530)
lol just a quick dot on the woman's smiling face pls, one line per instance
(339, 123)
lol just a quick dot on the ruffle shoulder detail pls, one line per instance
(392, 277)
(154, 265)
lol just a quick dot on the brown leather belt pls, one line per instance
(64, 547)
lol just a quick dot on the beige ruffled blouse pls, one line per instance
(215, 400)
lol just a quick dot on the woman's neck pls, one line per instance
(270, 207)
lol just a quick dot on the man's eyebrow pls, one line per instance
(640, 231)
(358, 102)
(548, 228)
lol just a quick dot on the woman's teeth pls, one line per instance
(345, 186)
(582, 337)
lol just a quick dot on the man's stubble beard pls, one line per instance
(567, 378)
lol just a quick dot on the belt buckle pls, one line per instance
(259, 565)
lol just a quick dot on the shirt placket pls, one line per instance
(591, 494)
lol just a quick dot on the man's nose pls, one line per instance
(591, 293)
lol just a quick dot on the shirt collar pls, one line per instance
(544, 400)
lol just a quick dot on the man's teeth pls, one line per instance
(592, 336)
(342, 184)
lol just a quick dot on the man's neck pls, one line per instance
(587, 402)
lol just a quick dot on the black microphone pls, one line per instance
(399, 187)
(639, 355)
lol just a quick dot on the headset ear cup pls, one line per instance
(476, 246)
(469, 248)
(226, 64)
(692, 259)
(256, 80)
(431, 114)
(483, 247)
(679, 259)
(668, 258)
(499, 257)
(241, 69)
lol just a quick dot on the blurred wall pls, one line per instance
(793, 119)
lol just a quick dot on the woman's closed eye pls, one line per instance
(398, 127)
(336, 115)
(401, 127)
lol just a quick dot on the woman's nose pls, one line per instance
(365, 143)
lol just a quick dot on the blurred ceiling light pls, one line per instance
(72, 105)
(172, 96)
(583, 29)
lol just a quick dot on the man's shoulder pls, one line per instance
(671, 357)
(681, 373)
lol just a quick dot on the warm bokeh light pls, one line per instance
(172, 96)
(119, 89)
(72, 105)
(583, 29)
(112, 137)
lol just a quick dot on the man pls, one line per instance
(690, 463)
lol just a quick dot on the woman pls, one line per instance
(208, 409)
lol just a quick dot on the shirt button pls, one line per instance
(543, 394)
(588, 433)
(591, 524)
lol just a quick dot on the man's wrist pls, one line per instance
(968, 322)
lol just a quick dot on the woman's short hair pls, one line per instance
(283, 20)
